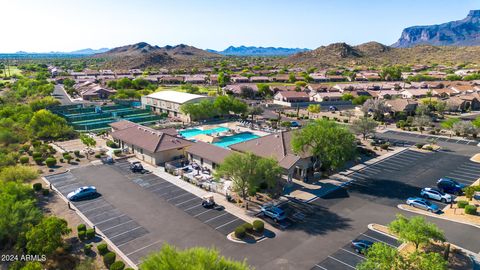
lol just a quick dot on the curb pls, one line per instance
(98, 231)
(402, 207)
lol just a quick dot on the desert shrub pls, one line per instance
(345, 120)
(24, 159)
(258, 226)
(109, 258)
(102, 248)
(61, 160)
(112, 144)
(87, 248)
(384, 146)
(76, 153)
(51, 162)
(462, 204)
(81, 227)
(428, 147)
(118, 265)
(77, 160)
(470, 191)
(36, 155)
(248, 227)
(98, 156)
(45, 192)
(470, 210)
(82, 235)
(240, 232)
(37, 186)
(419, 145)
(117, 152)
(90, 233)
(38, 160)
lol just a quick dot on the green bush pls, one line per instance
(102, 248)
(128, 268)
(470, 210)
(258, 226)
(470, 191)
(45, 192)
(24, 159)
(25, 147)
(37, 186)
(112, 144)
(419, 145)
(98, 156)
(82, 235)
(61, 160)
(462, 204)
(118, 265)
(51, 162)
(117, 152)
(384, 146)
(87, 248)
(428, 147)
(76, 153)
(240, 232)
(36, 155)
(109, 258)
(248, 227)
(90, 233)
(38, 160)
(77, 159)
(81, 227)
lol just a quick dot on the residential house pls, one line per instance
(415, 93)
(172, 80)
(259, 79)
(326, 96)
(288, 98)
(398, 105)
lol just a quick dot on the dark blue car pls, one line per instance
(361, 246)
(450, 186)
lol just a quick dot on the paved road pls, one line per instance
(60, 94)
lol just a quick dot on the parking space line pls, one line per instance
(186, 201)
(170, 191)
(321, 267)
(108, 219)
(142, 248)
(102, 213)
(158, 188)
(95, 208)
(136, 228)
(470, 166)
(341, 262)
(215, 217)
(202, 213)
(378, 240)
(87, 203)
(195, 206)
(227, 223)
(466, 173)
(59, 187)
(103, 230)
(353, 253)
(461, 178)
(179, 196)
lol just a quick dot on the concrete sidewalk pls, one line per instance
(247, 215)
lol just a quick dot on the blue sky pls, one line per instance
(56, 25)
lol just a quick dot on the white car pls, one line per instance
(435, 194)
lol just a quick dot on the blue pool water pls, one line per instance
(237, 138)
(187, 133)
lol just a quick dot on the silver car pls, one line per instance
(435, 194)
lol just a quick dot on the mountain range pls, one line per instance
(377, 54)
(142, 55)
(88, 51)
(465, 32)
(258, 51)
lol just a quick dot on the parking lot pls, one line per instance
(112, 222)
(426, 137)
(217, 218)
(347, 258)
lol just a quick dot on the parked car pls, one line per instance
(435, 194)
(294, 124)
(273, 212)
(361, 246)
(82, 193)
(423, 204)
(208, 201)
(450, 186)
(137, 167)
(332, 108)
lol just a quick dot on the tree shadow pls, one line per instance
(385, 188)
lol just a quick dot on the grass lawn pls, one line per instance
(11, 70)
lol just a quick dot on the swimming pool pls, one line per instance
(187, 133)
(237, 138)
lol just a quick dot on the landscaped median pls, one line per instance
(250, 233)
(465, 209)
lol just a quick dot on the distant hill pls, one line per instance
(377, 54)
(258, 51)
(464, 32)
(89, 51)
(142, 55)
